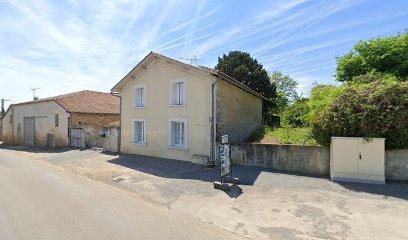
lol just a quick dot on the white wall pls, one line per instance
(157, 79)
(44, 113)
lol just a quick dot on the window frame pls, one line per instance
(136, 87)
(170, 135)
(144, 120)
(56, 120)
(172, 84)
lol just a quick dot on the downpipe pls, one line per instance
(213, 124)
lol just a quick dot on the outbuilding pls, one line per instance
(76, 119)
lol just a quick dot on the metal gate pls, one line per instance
(77, 137)
(29, 131)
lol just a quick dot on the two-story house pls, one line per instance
(168, 107)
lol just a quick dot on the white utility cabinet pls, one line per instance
(357, 160)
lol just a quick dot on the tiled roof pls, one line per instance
(85, 102)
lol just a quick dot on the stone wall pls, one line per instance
(93, 126)
(239, 113)
(313, 160)
(305, 159)
(396, 164)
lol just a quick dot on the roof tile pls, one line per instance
(85, 102)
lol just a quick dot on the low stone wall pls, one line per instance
(305, 159)
(308, 159)
(396, 164)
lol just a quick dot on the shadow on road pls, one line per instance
(234, 192)
(396, 189)
(169, 168)
(34, 149)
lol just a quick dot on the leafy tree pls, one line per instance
(297, 114)
(247, 70)
(321, 97)
(285, 90)
(385, 55)
(374, 105)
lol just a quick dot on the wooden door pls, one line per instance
(77, 137)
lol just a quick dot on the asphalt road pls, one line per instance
(40, 201)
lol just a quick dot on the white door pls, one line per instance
(371, 157)
(344, 153)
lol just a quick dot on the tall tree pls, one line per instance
(247, 70)
(385, 55)
(285, 90)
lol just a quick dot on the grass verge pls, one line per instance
(284, 135)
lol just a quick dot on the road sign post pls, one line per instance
(225, 157)
(225, 165)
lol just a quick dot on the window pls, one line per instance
(178, 132)
(140, 96)
(139, 131)
(177, 93)
(11, 118)
(56, 120)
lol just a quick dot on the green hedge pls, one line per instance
(373, 105)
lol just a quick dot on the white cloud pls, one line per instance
(64, 46)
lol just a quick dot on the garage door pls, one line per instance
(29, 130)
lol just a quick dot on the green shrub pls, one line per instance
(373, 105)
(322, 97)
(297, 114)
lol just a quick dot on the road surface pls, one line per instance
(40, 201)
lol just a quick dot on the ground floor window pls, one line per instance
(139, 131)
(178, 132)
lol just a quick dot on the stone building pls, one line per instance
(76, 119)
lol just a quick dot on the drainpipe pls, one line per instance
(12, 125)
(213, 123)
(120, 118)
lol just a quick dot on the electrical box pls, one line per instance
(357, 160)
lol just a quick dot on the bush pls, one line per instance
(373, 105)
(297, 114)
(322, 97)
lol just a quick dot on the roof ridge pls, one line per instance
(201, 68)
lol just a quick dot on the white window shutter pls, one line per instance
(134, 131)
(181, 93)
(140, 97)
(174, 93)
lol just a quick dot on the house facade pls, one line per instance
(76, 119)
(168, 107)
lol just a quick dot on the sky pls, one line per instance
(66, 46)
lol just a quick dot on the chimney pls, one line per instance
(2, 108)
